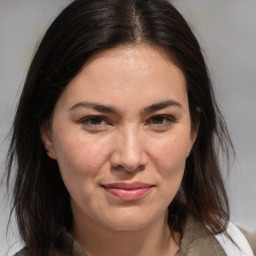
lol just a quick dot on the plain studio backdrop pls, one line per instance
(227, 32)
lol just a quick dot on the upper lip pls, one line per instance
(127, 186)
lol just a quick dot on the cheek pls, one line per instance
(170, 155)
(170, 159)
(81, 162)
(79, 156)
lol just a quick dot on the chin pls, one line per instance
(129, 221)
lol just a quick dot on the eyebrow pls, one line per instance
(161, 105)
(112, 110)
(95, 106)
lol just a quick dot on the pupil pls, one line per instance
(96, 120)
(157, 119)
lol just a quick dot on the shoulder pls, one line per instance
(69, 247)
(198, 240)
(239, 246)
(251, 237)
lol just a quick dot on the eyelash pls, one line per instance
(89, 119)
(168, 120)
(165, 121)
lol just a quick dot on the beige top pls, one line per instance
(251, 237)
(196, 241)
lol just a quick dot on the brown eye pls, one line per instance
(160, 123)
(158, 119)
(94, 121)
(161, 120)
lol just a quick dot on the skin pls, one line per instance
(127, 141)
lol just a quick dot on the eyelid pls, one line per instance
(85, 120)
(171, 120)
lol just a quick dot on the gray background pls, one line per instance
(227, 32)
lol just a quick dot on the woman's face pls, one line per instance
(121, 133)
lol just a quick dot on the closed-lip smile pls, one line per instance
(128, 191)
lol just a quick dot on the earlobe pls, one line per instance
(46, 137)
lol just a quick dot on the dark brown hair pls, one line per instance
(40, 199)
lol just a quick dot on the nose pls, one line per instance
(129, 153)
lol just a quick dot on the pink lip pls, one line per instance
(128, 191)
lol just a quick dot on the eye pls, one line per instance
(161, 121)
(94, 121)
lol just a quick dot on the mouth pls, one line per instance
(128, 191)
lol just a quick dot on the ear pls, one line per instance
(194, 130)
(46, 137)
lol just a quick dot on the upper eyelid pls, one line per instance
(164, 116)
(93, 116)
(170, 121)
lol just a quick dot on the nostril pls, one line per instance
(129, 169)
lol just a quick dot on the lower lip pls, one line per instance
(128, 194)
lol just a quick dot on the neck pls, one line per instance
(97, 240)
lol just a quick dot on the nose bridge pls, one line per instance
(130, 148)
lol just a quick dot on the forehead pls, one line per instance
(133, 59)
(126, 74)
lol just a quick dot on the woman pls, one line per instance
(116, 137)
